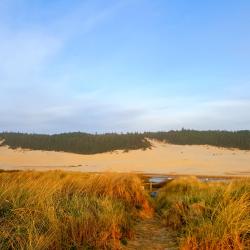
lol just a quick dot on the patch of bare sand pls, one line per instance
(162, 158)
(151, 234)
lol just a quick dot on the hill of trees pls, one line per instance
(84, 143)
(81, 143)
(227, 139)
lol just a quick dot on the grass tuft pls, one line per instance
(207, 216)
(59, 210)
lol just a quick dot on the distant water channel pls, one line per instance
(158, 181)
(161, 179)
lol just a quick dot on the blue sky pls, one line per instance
(103, 66)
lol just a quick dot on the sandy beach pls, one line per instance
(162, 158)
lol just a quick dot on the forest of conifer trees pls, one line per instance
(227, 139)
(77, 142)
(84, 143)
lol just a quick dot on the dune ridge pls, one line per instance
(162, 158)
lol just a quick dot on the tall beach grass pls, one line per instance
(59, 210)
(207, 216)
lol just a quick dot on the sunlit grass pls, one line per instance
(207, 216)
(58, 210)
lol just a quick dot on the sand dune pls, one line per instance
(162, 158)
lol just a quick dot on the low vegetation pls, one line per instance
(83, 143)
(207, 216)
(58, 210)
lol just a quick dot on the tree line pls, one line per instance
(84, 143)
(227, 139)
(78, 142)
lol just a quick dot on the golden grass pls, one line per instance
(59, 210)
(207, 216)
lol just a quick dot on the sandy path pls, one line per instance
(150, 234)
(162, 158)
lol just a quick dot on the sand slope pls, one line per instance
(162, 158)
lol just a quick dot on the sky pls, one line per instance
(124, 65)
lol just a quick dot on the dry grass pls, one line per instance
(207, 216)
(59, 210)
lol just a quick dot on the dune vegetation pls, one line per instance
(80, 143)
(84, 143)
(207, 216)
(219, 138)
(59, 210)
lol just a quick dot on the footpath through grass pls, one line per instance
(150, 234)
(59, 210)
